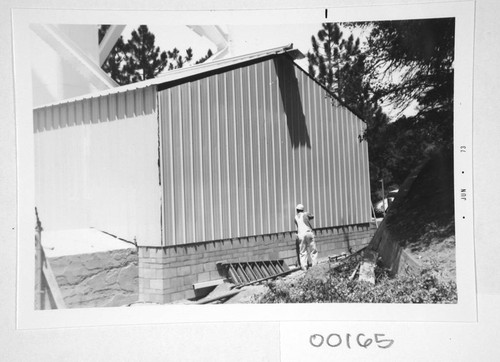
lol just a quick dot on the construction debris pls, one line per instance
(353, 275)
(335, 258)
(367, 268)
(204, 288)
(219, 297)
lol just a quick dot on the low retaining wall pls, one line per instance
(168, 273)
(393, 256)
(101, 279)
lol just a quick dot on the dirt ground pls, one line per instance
(439, 255)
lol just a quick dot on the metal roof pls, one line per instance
(182, 73)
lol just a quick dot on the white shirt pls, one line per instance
(302, 222)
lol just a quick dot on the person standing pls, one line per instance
(305, 234)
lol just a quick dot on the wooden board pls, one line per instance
(367, 269)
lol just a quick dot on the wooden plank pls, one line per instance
(52, 283)
(210, 283)
(222, 296)
(354, 272)
(38, 264)
(367, 268)
(202, 289)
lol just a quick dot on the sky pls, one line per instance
(245, 38)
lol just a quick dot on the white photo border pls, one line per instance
(465, 310)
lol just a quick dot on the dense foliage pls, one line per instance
(338, 288)
(397, 66)
(140, 59)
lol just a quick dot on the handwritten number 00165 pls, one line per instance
(335, 340)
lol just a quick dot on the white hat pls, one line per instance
(300, 207)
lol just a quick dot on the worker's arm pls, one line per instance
(307, 220)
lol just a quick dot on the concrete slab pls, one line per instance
(80, 241)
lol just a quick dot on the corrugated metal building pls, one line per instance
(215, 151)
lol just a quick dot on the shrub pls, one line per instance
(338, 288)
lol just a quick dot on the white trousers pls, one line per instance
(307, 245)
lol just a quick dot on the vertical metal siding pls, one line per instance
(306, 155)
(362, 186)
(225, 204)
(275, 143)
(255, 149)
(239, 161)
(354, 170)
(178, 206)
(95, 168)
(197, 170)
(355, 178)
(350, 172)
(346, 187)
(187, 142)
(366, 178)
(167, 169)
(233, 153)
(262, 146)
(269, 149)
(243, 147)
(248, 145)
(327, 169)
(207, 202)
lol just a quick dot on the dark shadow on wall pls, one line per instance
(292, 103)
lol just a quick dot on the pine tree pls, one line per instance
(114, 63)
(325, 60)
(402, 63)
(340, 65)
(143, 59)
(140, 59)
(421, 54)
(206, 57)
(102, 32)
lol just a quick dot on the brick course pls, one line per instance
(168, 273)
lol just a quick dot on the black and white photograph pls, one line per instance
(301, 173)
(201, 168)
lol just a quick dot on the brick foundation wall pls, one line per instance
(168, 273)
